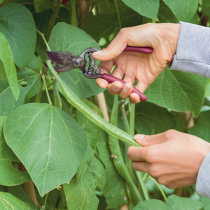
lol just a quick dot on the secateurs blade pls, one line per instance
(68, 61)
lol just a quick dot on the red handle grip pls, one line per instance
(145, 50)
(110, 79)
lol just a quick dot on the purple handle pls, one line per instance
(110, 79)
(145, 50)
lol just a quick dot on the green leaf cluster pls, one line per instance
(66, 155)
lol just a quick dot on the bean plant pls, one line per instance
(56, 149)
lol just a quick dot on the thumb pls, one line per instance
(115, 48)
(146, 140)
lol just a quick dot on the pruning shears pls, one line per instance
(68, 61)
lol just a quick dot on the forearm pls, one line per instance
(193, 51)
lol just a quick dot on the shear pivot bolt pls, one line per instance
(76, 63)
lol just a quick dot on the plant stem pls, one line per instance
(53, 17)
(45, 85)
(118, 13)
(56, 95)
(132, 132)
(74, 13)
(42, 35)
(45, 201)
(89, 113)
(39, 95)
(102, 105)
(118, 159)
(163, 194)
(142, 184)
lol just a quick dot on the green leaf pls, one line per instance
(42, 22)
(10, 202)
(206, 202)
(49, 143)
(105, 26)
(21, 194)
(183, 10)
(41, 6)
(201, 127)
(175, 202)
(178, 91)
(151, 204)
(32, 85)
(114, 190)
(148, 8)
(8, 71)
(206, 7)
(80, 193)
(68, 38)
(151, 119)
(9, 175)
(165, 15)
(17, 24)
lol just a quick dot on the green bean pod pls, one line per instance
(89, 113)
(118, 159)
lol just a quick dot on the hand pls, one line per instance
(134, 66)
(172, 158)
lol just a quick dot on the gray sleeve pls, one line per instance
(193, 50)
(203, 178)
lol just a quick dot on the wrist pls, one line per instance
(170, 33)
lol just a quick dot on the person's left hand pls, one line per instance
(172, 158)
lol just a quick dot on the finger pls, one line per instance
(134, 98)
(115, 87)
(115, 48)
(145, 140)
(102, 83)
(137, 153)
(127, 87)
(126, 90)
(105, 67)
(140, 166)
(133, 36)
(141, 86)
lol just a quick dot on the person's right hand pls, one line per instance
(134, 66)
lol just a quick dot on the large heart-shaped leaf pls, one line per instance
(151, 204)
(17, 24)
(105, 27)
(49, 143)
(147, 8)
(9, 175)
(10, 202)
(68, 38)
(178, 91)
(31, 85)
(80, 193)
(201, 127)
(8, 71)
(151, 119)
(175, 202)
(184, 9)
(165, 15)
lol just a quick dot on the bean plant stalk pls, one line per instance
(118, 159)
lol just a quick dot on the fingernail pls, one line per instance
(97, 52)
(126, 88)
(116, 88)
(139, 137)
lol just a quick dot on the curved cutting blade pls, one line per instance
(61, 58)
